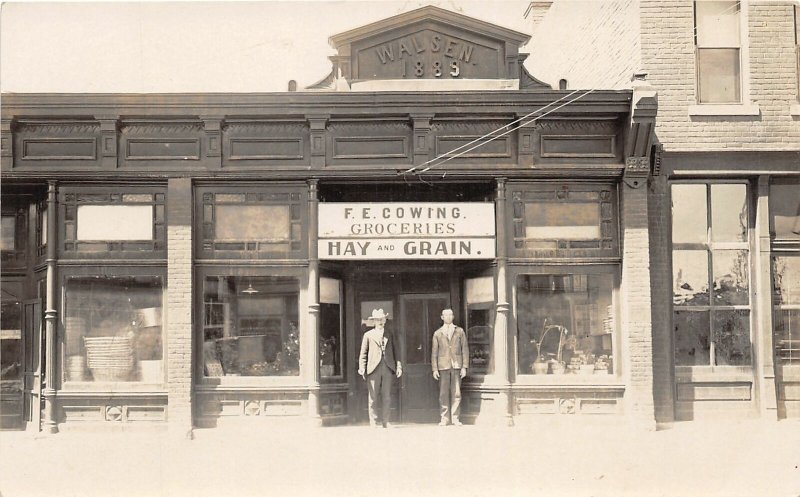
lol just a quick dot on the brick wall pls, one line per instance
(179, 305)
(590, 43)
(667, 45)
(635, 296)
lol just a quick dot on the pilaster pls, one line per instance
(109, 141)
(311, 362)
(51, 314)
(318, 124)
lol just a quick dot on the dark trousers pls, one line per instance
(449, 393)
(379, 384)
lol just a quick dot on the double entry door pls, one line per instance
(414, 302)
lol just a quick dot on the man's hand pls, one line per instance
(463, 373)
(435, 375)
(399, 371)
(362, 374)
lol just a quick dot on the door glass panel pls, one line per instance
(414, 329)
(330, 332)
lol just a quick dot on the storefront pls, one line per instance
(206, 259)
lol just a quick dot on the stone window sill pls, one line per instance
(724, 110)
(795, 110)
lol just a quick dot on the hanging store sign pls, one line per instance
(406, 230)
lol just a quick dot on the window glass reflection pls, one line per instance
(730, 277)
(689, 216)
(784, 207)
(330, 328)
(692, 343)
(251, 326)
(729, 212)
(732, 338)
(689, 277)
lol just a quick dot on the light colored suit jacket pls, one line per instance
(449, 354)
(370, 356)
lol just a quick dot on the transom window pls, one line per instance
(252, 222)
(103, 222)
(718, 46)
(556, 220)
(710, 265)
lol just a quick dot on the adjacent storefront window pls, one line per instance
(710, 267)
(784, 200)
(330, 328)
(113, 328)
(786, 320)
(565, 323)
(7, 232)
(250, 326)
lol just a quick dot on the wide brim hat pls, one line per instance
(379, 314)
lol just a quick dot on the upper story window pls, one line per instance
(718, 48)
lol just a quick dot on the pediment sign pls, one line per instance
(428, 43)
(430, 52)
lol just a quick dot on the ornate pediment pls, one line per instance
(428, 44)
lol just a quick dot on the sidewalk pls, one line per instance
(569, 457)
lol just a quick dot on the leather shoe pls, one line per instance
(457, 423)
(443, 422)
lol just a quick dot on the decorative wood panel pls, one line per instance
(268, 143)
(474, 140)
(61, 144)
(571, 146)
(160, 143)
(59, 149)
(369, 141)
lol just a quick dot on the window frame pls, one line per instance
(618, 354)
(210, 383)
(109, 386)
(69, 198)
(560, 191)
(710, 246)
(296, 198)
(743, 95)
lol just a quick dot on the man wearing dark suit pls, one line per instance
(377, 365)
(449, 356)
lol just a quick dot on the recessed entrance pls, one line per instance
(414, 298)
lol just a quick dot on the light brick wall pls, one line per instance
(179, 305)
(668, 55)
(590, 43)
(636, 311)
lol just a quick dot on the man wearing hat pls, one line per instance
(377, 364)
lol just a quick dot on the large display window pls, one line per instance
(566, 321)
(251, 325)
(113, 326)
